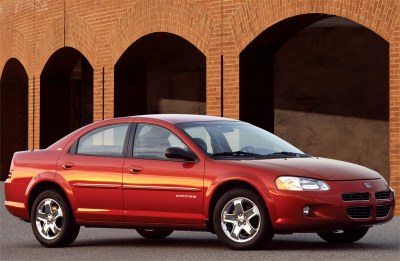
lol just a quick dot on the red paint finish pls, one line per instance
(95, 184)
(163, 192)
(124, 191)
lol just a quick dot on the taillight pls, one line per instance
(11, 168)
(12, 164)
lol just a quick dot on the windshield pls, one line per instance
(227, 139)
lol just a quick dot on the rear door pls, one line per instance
(93, 169)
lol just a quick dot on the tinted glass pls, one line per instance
(228, 137)
(152, 141)
(105, 141)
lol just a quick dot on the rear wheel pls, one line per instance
(52, 220)
(343, 236)
(241, 220)
(151, 233)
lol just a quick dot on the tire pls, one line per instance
(52, 221)
(343, 236)
(241, 220)
(151, 233)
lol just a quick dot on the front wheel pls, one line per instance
(241, 220)
(343, 236)
(52, 220)
(151, 233)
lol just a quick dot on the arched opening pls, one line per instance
(13, 113)
(66, 95)
(322, 83)
(160, 73)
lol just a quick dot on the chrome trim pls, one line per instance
(146, 187)
(87, 185)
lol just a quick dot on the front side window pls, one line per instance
(105, 141)
(152, 141)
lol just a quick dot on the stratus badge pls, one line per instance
(186, 196)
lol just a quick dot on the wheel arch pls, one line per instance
(222, 188)
(43, 186)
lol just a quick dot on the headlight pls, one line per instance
(298, 183)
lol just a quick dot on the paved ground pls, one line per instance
(18, 243)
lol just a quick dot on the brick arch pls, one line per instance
(17, 47)
(246, 27)
(148, 16)
(78, 35)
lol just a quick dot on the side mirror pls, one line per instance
(179, 153)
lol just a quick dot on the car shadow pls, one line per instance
(322, 246)
(209, 243)
(150, 243)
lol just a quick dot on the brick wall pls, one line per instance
(32, 30)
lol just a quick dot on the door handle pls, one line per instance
(136, 169)
(67, 165)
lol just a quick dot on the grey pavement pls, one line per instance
(18, 243)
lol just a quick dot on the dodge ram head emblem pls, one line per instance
(368, 185)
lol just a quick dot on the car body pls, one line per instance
(162, 172)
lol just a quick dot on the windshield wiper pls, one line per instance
(234, 154)
(292, 154)
(249, 154)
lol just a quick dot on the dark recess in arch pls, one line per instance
(160, 73)
(322, 83)
(66, 95)
(14, 113)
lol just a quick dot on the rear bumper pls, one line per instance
(15, 199)
(328, 210)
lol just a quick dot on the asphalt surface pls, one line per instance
(17, 242)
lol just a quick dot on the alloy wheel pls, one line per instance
(49, 218)
(240, 219)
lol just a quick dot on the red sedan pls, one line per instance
(158, 173)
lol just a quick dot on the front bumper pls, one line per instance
(328, 211)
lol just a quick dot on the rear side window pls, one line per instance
(105, 141)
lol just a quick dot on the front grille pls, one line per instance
(355, 196)
(382, 195)
(359, 212)
(382, 211)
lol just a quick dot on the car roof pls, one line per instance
(169, 118)
(182, 118)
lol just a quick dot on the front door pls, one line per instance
(159, 190)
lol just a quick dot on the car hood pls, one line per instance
(318, 168)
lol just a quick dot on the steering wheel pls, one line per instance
(247, 149)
